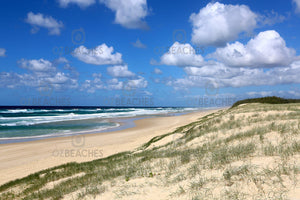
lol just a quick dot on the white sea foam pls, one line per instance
(61, 133)
(111, 113)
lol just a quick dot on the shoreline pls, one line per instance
(122, 123)
(21, 159)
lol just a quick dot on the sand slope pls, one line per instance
(249, 152)
(21, 159)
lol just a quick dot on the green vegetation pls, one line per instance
(270, 100)
(248, 152)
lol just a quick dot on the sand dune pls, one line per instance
(21, 159)
(249, 152)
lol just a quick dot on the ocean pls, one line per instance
(26, 123)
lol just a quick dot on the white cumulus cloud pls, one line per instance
(267, 49)
(216, 24)
(181, 55)
(38, 21)
(114, 84)
(218, 70)
(139, 44)
(100, 55)
(41, 73)
(130, 13)
(281, 93)
(120, 71)
(80, 3)
(225, 76)
(2, 52)
(157, 71)
(40, 65)
(138, 82)
(297, 2)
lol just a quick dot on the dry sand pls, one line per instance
(21, 159)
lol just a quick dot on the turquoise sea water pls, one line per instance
(31, 122)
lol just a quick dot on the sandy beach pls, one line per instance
(21, 159)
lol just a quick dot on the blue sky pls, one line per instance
(148, 53)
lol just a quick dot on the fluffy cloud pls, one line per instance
(60, 60)
(129, 14)
(215, 69)
(92, 85)
(113, 84)
(157, 71)
(288, 93)
(10, 80)
(100, 84)
(297, 2)
(225, 76)
(40, 65)
(267, 49)
(97, 75)
(120, 71)
(59, 78)
(42, 73)
(2, 52)
(101, 55)
(139, 44)
(60, 81)
(80, 3)
(87, 86)
(270, 18)
(181, 55)
(216, 24)
(38, 21)
(138, 82)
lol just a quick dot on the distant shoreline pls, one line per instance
(122, 123)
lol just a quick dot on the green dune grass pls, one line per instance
(269, 100)
(220, 156)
